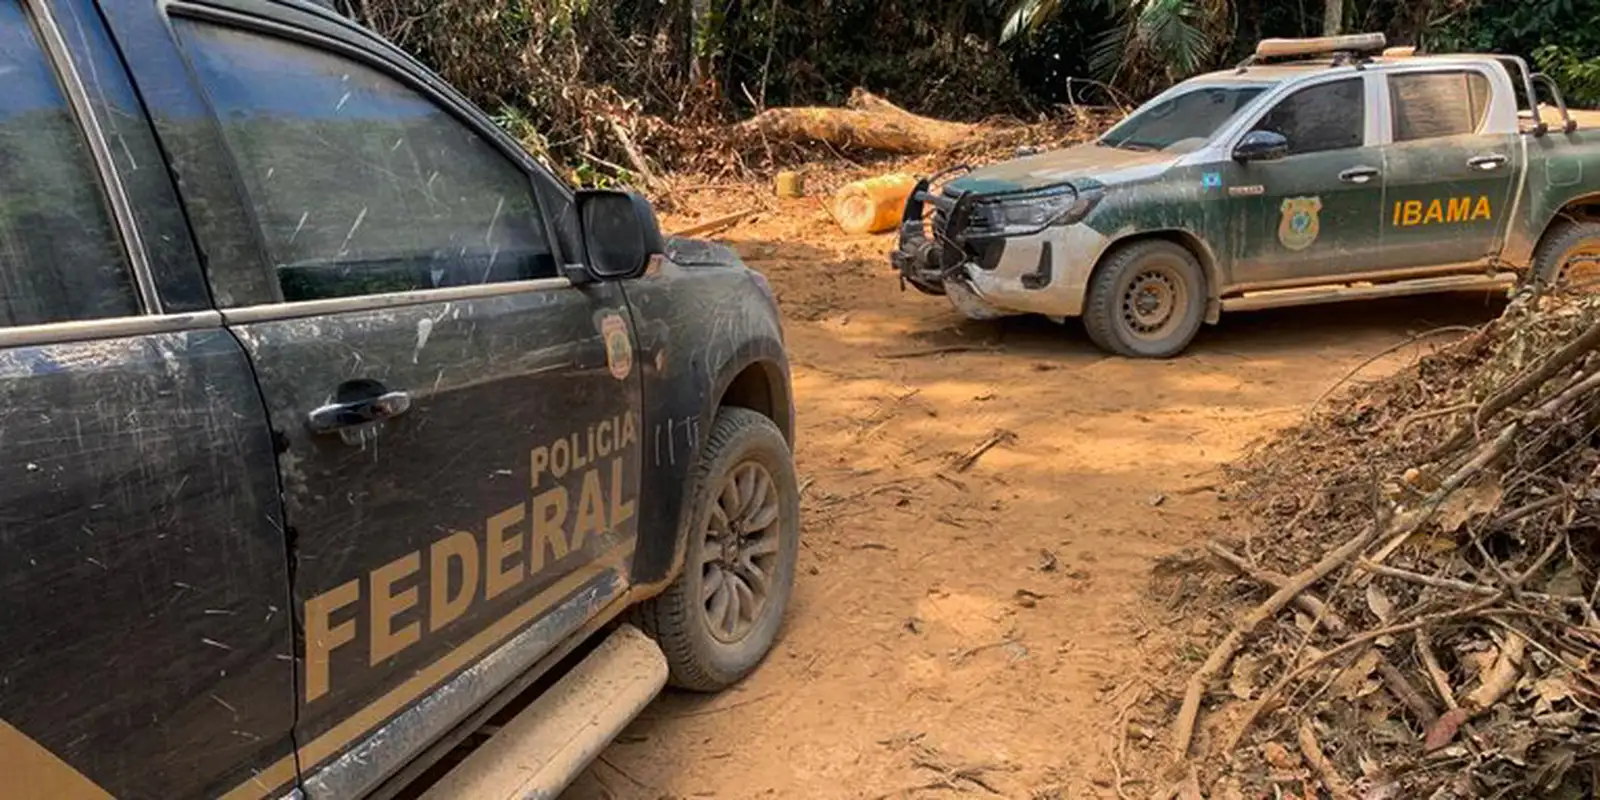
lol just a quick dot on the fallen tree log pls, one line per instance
(870, 123)
(863, 100)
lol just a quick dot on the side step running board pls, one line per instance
(1313, 295)
(550, 742)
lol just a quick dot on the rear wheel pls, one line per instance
(1147, 300)
(1569, 256)
(721, 616)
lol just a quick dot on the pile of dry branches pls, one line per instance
(1431, 547)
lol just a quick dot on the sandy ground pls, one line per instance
(995, 623)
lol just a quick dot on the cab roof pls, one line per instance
(1279, 60)
(1294, 70)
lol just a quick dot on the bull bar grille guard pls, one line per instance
(923, 262)
(928, 264)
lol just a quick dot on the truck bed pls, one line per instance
(1587, 119)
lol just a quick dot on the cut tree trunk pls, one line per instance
(870, 123)
(863, 100)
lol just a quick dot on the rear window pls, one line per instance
(1429, 105)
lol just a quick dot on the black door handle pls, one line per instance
(336, 416)
(1358, 174)
(1488, 162)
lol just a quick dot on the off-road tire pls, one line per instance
(676, 619)
(1106, 317)
(1563, 239)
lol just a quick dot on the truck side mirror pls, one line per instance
(1261, 146)
(620, 232)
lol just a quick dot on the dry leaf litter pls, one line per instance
(1413, 614)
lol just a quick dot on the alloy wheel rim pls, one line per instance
(739, 552)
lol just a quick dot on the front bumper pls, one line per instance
(1046, 272)
(922, 262)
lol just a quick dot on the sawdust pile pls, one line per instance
(1414, 612)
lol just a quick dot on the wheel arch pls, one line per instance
(1188, 240)
(754, 376)
(1584, 208)
(762, 386)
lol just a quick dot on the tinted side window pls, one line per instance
(361, 185)
(60, 256)
(1328, 116)
(1427, 105)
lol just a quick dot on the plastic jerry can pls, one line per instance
(874, 205)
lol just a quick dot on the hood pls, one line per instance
(1107, 165)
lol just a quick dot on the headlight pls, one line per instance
(1027, 213)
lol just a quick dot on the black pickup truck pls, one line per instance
(330, 422)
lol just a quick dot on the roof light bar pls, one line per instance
(1291, 48)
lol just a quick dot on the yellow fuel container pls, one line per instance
(873, 205)
(790, 184)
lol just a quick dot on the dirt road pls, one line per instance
(981, 630)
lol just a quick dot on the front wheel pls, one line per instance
(721, 616)
(1147, 300)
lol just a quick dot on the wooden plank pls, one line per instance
(716, 223)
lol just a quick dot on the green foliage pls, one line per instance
(935, 56)
(1159, 43)
(1027, 17)
(567, 74)
(1578, 76)
(1514, 27)
(1144, 46)
(1562, 37)
(561, 70)
(516, 122)
(593, 176)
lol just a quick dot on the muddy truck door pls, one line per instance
(145, 629)
(457, 424)
(1315, 212)
(1451, 164)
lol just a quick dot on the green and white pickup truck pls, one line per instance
(1318, 171)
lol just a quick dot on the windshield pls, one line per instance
(1181, 123)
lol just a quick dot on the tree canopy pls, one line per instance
(552, 67)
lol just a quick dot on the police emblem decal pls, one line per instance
(619, 348)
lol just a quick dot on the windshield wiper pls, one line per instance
(1128, 144)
